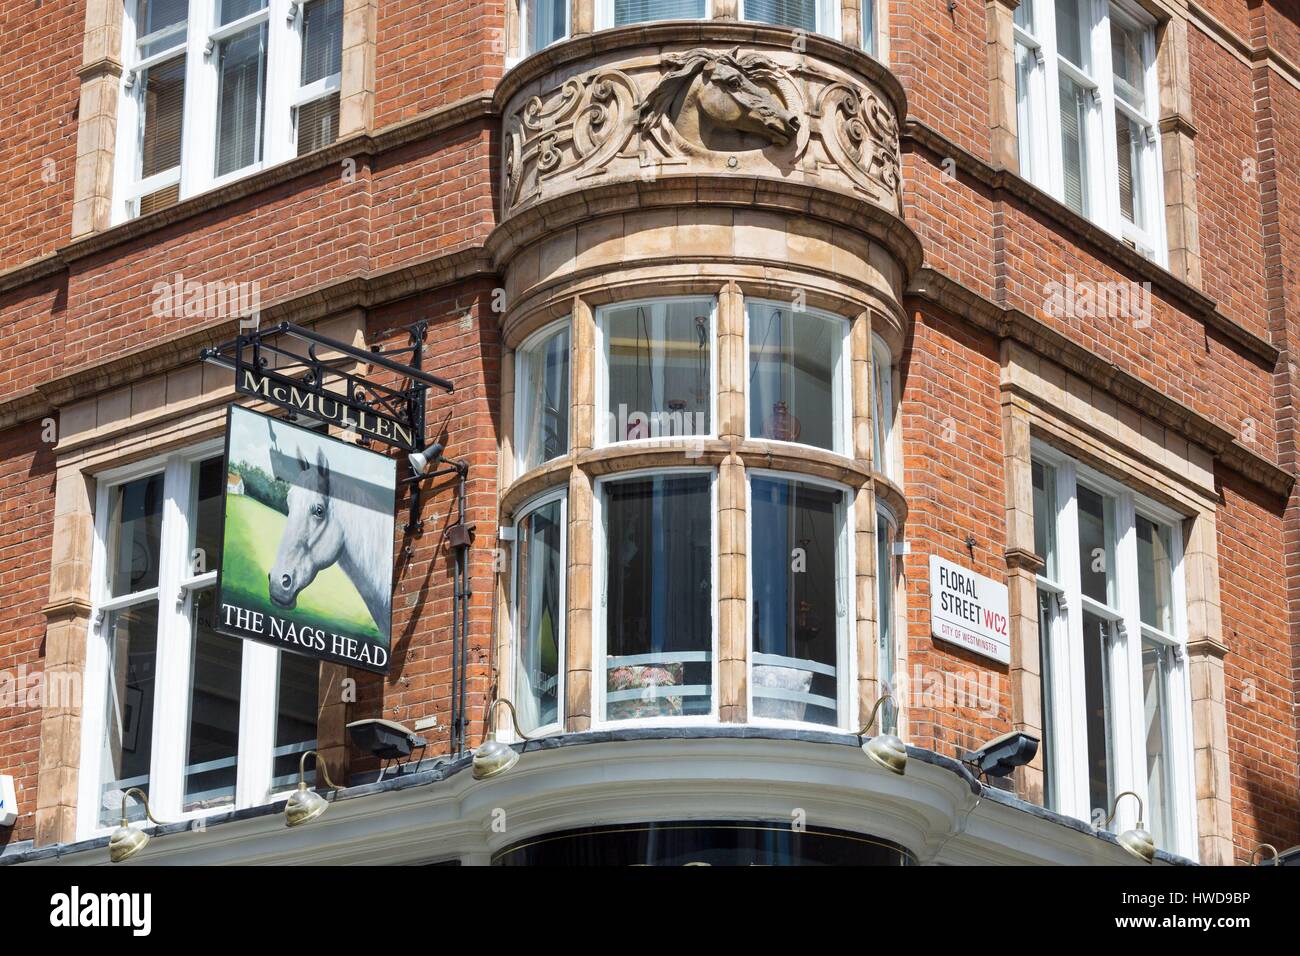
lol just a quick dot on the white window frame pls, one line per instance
(600, 594)
(197, 171)
(531, 342)
(602, 435)
(561, 495)
(828, 17)
(1041, 104)
(846, 676)
(605, 14)
(841, 380)
(174, 595)
(1069, 770)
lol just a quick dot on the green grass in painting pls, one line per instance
(253, 533)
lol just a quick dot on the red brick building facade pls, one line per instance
(1070, 228)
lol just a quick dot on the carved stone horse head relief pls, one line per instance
(719, 101)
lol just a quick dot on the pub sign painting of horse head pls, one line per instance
(307, 542)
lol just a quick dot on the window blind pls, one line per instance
(791, 13)
(163, 91)
(639, 11)
(322, 40)
(1073, 157)
(318, 123)
(242, 72)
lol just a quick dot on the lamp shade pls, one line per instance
(125, 843)
(888, 751)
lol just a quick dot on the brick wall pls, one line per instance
(26, 517)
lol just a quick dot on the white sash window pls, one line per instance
(199, 721)
(213, 90)
(1086, 113)
(1112, 618)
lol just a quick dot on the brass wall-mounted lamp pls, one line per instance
(306, 805)
(1137, 841)
(884, 750)
(494, 756)
(127, 841)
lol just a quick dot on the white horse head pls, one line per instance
(329, 523)
(312, 539)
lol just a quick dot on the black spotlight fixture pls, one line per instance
(386, 739)
(1001, 755)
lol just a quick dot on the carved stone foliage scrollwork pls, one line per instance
(577, 129)
(657, 114)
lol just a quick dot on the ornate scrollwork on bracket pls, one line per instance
(581, 126)
(861, 136)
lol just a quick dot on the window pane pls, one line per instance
(322, 40)
(1025, 15)
(659, 597)
(795, 534)
(232, 10)
(160, 25)
(162, 92)
(1075, 102)
(541, 617)
(1155, 575)
(1128, 63)
(638, 11)
(882, 408)
(1097, 545)
(1097, 713)
(318, 123)
(241, 69)
(1044, 478)
(659, 370)
(212, 755)
(297, 704)
(209, 482)
(791, 13)
(547, 22)
(793, 362)
(886, 571)
(1072, 29)
(542, 431)
(132, 638)
(1129, 140)
(1155, 715)
(1046, 621)
(869, 26)
(134, 532)
(1025, 65)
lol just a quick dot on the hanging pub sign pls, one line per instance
(969, 609)
(307, 542)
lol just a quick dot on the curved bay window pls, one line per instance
(799, 584)
(542, 397)
(656, 614)
(539, 628)
(796, 378)
(657, 370)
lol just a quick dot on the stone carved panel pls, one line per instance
(654, 114)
